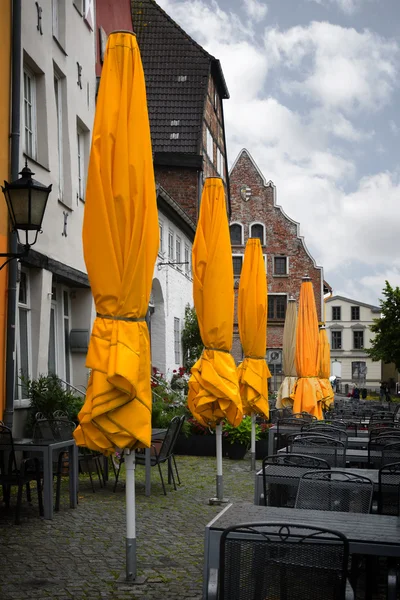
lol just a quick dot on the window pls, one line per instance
(358, 340)
(79, 6)
(280, 265)
(220, 162)
(177, 341)
(66, 323)
(170, 245)
(276, 307)
(23, 338)
(30, 113)
(52, 354)
(161, 248)
(257, 231)
(336, 313)
(187, 259)
(336, 340)
(210, 145)
(358, 369)
(216, 100)
(237, 265)
(58, 99)
(81, 138)
(355, 313)
(178, 256)
(236, 232)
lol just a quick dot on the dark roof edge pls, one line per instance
(355, 302)
(180, 216)
(218, 69)
(61, 270)
(178, 159)
(220, 77)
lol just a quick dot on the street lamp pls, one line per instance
(26, 202)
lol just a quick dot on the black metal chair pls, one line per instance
(13, 476)
(159, 456)
(330, 430)
(391, 451)
(335, 490)
(322, 446)
(287, 426)
(280, 560)
(378, 454)
(389, 487)
(286, 467)
(382, 428)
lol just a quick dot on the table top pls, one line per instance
(37, 443)
(360, 529)
(287, 472)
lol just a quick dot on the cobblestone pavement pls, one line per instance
(81, 553)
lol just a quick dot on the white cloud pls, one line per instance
(256, 11)
(394, 128)
(349, 7)
(335, 66)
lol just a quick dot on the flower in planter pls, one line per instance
(197, 429)
(264, 430)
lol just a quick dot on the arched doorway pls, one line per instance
(157, 327)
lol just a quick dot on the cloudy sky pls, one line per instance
(315, 98)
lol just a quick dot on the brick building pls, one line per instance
(256, 214)
(185, 89)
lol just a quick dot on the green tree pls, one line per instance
(191, 338)
(386, 343)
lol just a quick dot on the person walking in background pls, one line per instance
(387, 394)
(382, 392)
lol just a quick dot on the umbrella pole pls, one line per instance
(131, 566)
(253, 442)
(220, 483)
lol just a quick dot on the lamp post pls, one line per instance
(26, 201)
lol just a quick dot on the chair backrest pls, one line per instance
(376, 430)
(323, 446)
(281, 474)
(381, 416)
(335, 490)
(54, 429)
(389, 488)
(390, 451)
(8, 463)
(167, 446)
(331, 430)
(282, 560)
(286, 426)
(304, 415)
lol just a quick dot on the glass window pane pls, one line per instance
(236, 235)
(66, 304)
(237, 265)
(66, 351)
(51, 357)
(23, 348)
(257, 231)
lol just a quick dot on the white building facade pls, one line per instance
(172, 288)
(58, 88)
(348, 325)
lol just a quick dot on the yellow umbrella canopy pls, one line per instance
(308, 393)
(253, 372)
(325, 368)
(213, 385)
(289, 357)
(120, 241)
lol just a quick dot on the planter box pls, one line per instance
(236, 451)
(195, 445)
(261, 449)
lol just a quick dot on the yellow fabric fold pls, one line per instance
(325, 368)
(213, 385)
(307, 394)
(120, 241)
(253, 373)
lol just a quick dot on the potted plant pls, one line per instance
(197, 441)
(238, 439)
(262, 442)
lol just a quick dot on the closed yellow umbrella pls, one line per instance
(120, 241)
(286, 388)
(213, 385)
(308, 393)
(325, 368)
(253, 372)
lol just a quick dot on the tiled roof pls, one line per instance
(176, 70)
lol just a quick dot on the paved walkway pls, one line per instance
(81, 553)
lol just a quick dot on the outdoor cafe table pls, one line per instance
(272, 434)
(353, 455)
(374, 535)
(47, 447)
(287, 475)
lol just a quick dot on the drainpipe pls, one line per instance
(228, 187)
(13, 266)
